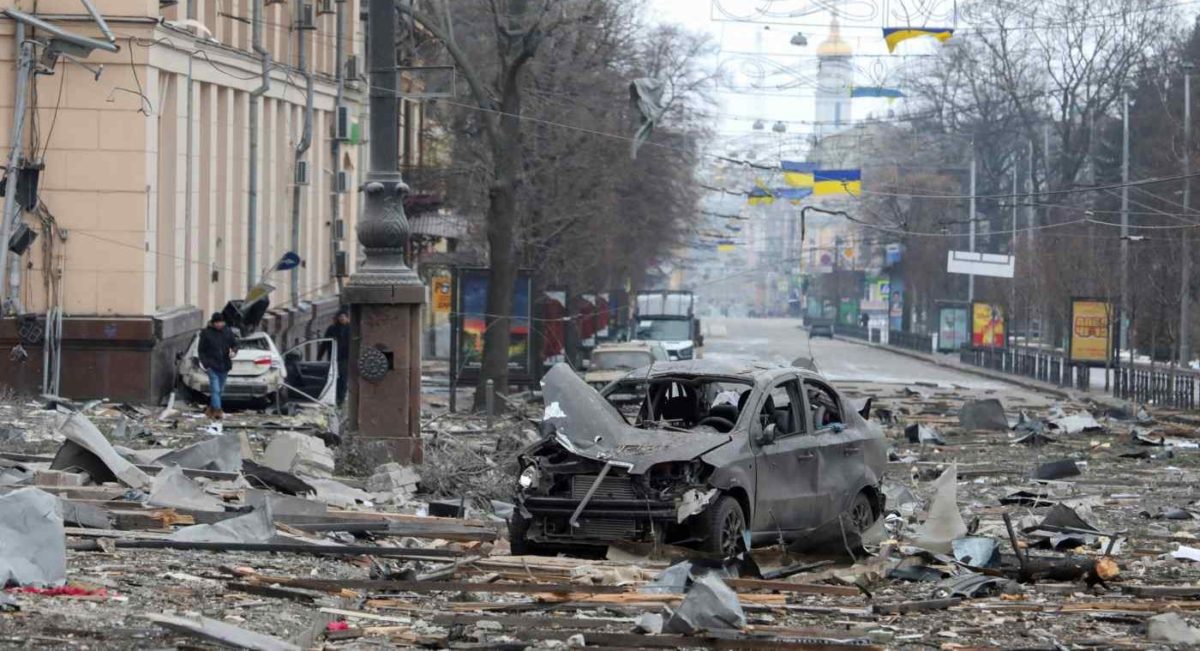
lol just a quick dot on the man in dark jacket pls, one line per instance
(217, 348)
(339, 331)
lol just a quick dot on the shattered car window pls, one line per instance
(681, 402)
(823, 406)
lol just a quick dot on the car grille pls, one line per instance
(612, 488)
(605, 529)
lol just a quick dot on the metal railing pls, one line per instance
(1045, 366)
(854, 332)
(1164, 386)
(910, 340)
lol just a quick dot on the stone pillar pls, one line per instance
(385, 295)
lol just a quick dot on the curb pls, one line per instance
(991, 375)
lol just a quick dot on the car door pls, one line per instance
(787, 468)
(309, 376)
(838, 447)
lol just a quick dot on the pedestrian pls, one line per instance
(864, 320)
(217, 348)
(339, 331)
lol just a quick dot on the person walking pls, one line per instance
(339, 331)
(217, 348)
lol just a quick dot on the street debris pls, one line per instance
(217, 548)
(986, 415)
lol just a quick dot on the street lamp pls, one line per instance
(799, 40)
(1185, 263)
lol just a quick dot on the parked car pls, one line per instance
(824, 329)
(609, 362)
(711, 451)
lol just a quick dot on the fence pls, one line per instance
(1164, 386)
(911, 340)
(1045, 366)
(854, 332)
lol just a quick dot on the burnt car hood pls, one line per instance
(584, 423)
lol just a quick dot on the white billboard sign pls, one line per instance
(980, 264)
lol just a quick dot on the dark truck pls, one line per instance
(712, 450)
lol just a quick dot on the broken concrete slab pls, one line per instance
(710, 605)
(258, 526)
(87, 449)
(945, 523)
(985, 415)
(261, 476)
(1172, 629)
(1076, 423)
(222, 453)
(393, 477)
(921, 433)
(335, 493)
(174, 489)
(1057, 470)
(222, 633)
(33, 548)
(80, 514)
(299, 454)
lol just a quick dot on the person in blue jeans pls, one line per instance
(217, 348)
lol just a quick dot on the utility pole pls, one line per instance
(971, 226)
(1185, 258)
(384, 293)
(1125, 216)
(12, 211)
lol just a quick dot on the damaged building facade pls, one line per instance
(173, 171)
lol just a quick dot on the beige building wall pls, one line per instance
(116, 165)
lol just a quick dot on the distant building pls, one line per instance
(835, 76)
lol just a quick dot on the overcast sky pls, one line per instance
(762, 41)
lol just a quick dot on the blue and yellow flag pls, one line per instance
(837, 182)
(875, 91)
(797, 174)
(793, 194)
(896, 35)
(760, 196)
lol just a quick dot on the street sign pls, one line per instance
(442, 300)
(980, 264)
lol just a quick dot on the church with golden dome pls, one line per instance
(835, 76)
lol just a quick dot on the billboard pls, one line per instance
(987, 325)
(442, 298)
(1091, 331)
(953, 328)
(472, 323)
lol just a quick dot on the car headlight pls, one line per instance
(529, 477)
(685, 353)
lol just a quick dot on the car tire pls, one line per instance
(721, 526)
(518, 543)
(861, 514)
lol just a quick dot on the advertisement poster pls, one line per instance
(953, 330)
(987, 326)
(554, 331)
(585, 314)
(472, 308)
(442, 299)
(1091, 336)
(603, 315)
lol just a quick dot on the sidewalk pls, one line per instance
(949, 361)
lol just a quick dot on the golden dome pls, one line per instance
(833, 45)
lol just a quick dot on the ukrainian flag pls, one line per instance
(835, 182)
(793, 194)
(896, 35)
(798, 175)
(760, 196)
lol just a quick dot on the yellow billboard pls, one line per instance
(441, 294)
(1091, 336)
(987, 325)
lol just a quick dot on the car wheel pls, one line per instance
(519, 545)
(861, 515)
(721, 527)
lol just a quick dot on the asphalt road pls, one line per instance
(842, 362)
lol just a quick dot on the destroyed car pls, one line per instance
(711, 452)
(261, 375)
(610, 362)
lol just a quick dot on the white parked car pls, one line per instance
(262, 375)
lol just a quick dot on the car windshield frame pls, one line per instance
(664, 329)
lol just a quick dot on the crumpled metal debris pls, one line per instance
(970, 585)
(223, 633)
(983, 415)
(86, 448)
(33, 549)
(222, 453)
(646, 96)
(1056, 470)
(710, 605)
(172, 488)
(1076, 423)
(977, 552)
(944, 523)
(254, 527)
(922, 433)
